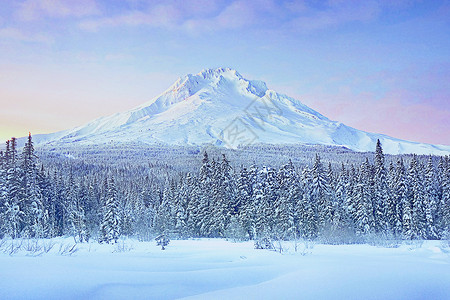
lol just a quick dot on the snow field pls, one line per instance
(220, 269)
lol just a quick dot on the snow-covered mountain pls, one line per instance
(219, 106)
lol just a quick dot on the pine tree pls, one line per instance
(308, 217)
(3, 192)
(92, 206)
(195, 209)
(306, 208)
(164, 220)
(223, 195)
(126, 207)
(182, 200)
(58, 206)
(342, 225)
(381, 193)
(320, 195)
(363, 204)
(266, 194)
(203, 217)
(431, 200)
(110, 226)
(246, 192)
(14, 214)
(407, 228)
(417, 198)
(445, 201)
(31, 195)
(144, 214)
(46, 189)
(76, 221)
(285, 211)
(400, 201)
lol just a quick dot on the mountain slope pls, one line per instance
(220, 106)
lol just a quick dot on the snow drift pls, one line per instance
(217, 269)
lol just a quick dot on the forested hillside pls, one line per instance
(403, 197)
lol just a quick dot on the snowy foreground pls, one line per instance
(219, 269)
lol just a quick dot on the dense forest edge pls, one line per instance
(407, 198)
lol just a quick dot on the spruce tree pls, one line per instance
(445, 201)
(363, 210)
(36, 216)
(307, 208)
(110, 226)
(14, 214)
(181, 206)
(401, 201)
(286, 215)
(246, 193)
(204, 216)
(320, 195)
(431, 200)
(3, 192)
(417, 198)
(381, 194)
(164, 218)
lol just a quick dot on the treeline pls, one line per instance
(349, 204)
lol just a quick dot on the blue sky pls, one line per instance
(379, 66)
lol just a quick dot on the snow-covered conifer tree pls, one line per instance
(76, 221)
(320, 194)
(381, 193)
(285, 211)
(398, 199)
(417, 198)
(363, 210)
(246, 185)
(110, 226)
(14, 214)
(445, 201)
(431, 200)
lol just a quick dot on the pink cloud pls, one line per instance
(411, 103)
(394, 114)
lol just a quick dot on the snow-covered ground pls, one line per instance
(219, 269)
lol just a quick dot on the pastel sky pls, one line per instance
(379, 66)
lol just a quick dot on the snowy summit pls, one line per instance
(222, 107)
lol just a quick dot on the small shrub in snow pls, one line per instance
(32, 246)
(414, 244)
(47, 246)
(2, 244)
(445, 246)
(15, 246)
(235, 232)
(162, 240)
(308, 246)
(383, 240)
(280, 247)
(264, 243)
(122, 246)
(67, 249)
(446, 239)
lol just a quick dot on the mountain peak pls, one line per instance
(216, 73)
(214, 105)
(216, 79)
